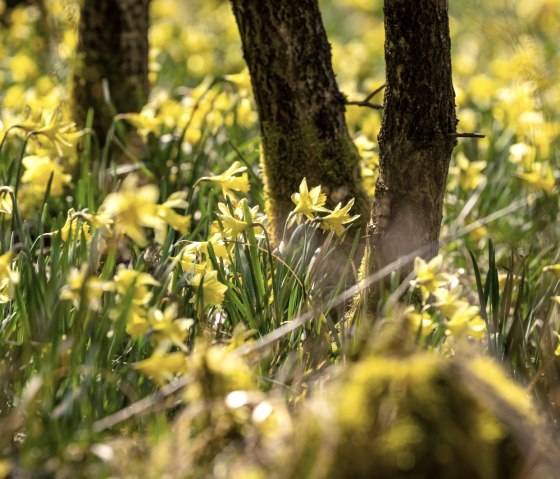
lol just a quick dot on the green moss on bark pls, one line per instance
(301, 109)
(288, 157)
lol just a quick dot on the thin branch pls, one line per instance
(375, 92)
(375, 106)
(366, 101)
(466, 135)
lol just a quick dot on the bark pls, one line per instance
(416, 137)
(301, 109)
(112, 47)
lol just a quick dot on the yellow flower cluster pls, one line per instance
(133, 208)
(461, 318)
(310, 202)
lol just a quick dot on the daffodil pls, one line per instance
(207, 287)
(38, 171)
(466, 321)
(233, 224)
(167, 327)
(241, 80)
(63, 135)
(145, 122)
(449, 300)
(466, 174)
(217, 244)
(308, 202)
(338, 217)
(429, 276)
(557, 350)
(420, 322)
(191, 264)
(6, 202)
(169, 217)
(162, 367)
(83, 286)
(230, 182)
(135, 284)
(540, 177)
(522, 154)
(132, 209)
(74, 227)
(8, 278)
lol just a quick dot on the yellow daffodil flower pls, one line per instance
(8, 278)
(229, 182)
(80, 286)
(429, 276)
(145, 122)
(125, 279)
(136, 283)
(449, 300)
(201, 247)
(466, 321)
(466, 174)
(162, 367)
(308, 202)
(132, 209)
(522, 154)
(6, 202)
(190, 263)
(169, 217)
(557, 350)
(421, 321)
(209, 288)
(63, 134)
(38, 171)
(338, 217)
(72, 229)
(540, 177)
(167, 327)
(235, 223)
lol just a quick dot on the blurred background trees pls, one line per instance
(111, 70)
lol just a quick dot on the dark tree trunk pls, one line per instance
(112, 47)
(416, 138)
(301, 109)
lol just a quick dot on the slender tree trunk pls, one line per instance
(416, 138)
(301, 109)
(112, 47)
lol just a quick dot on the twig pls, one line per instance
(366, 101)
(375, 92)
(466, 135)
(374, 106)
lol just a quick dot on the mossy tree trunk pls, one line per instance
(112, 48)
(417, 133)
(301, 109)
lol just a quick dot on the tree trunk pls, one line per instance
(301, 109)
(417, 133)
(112, 47)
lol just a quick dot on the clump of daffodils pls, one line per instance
(443, 304)
(311, 203)
(133, 208)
